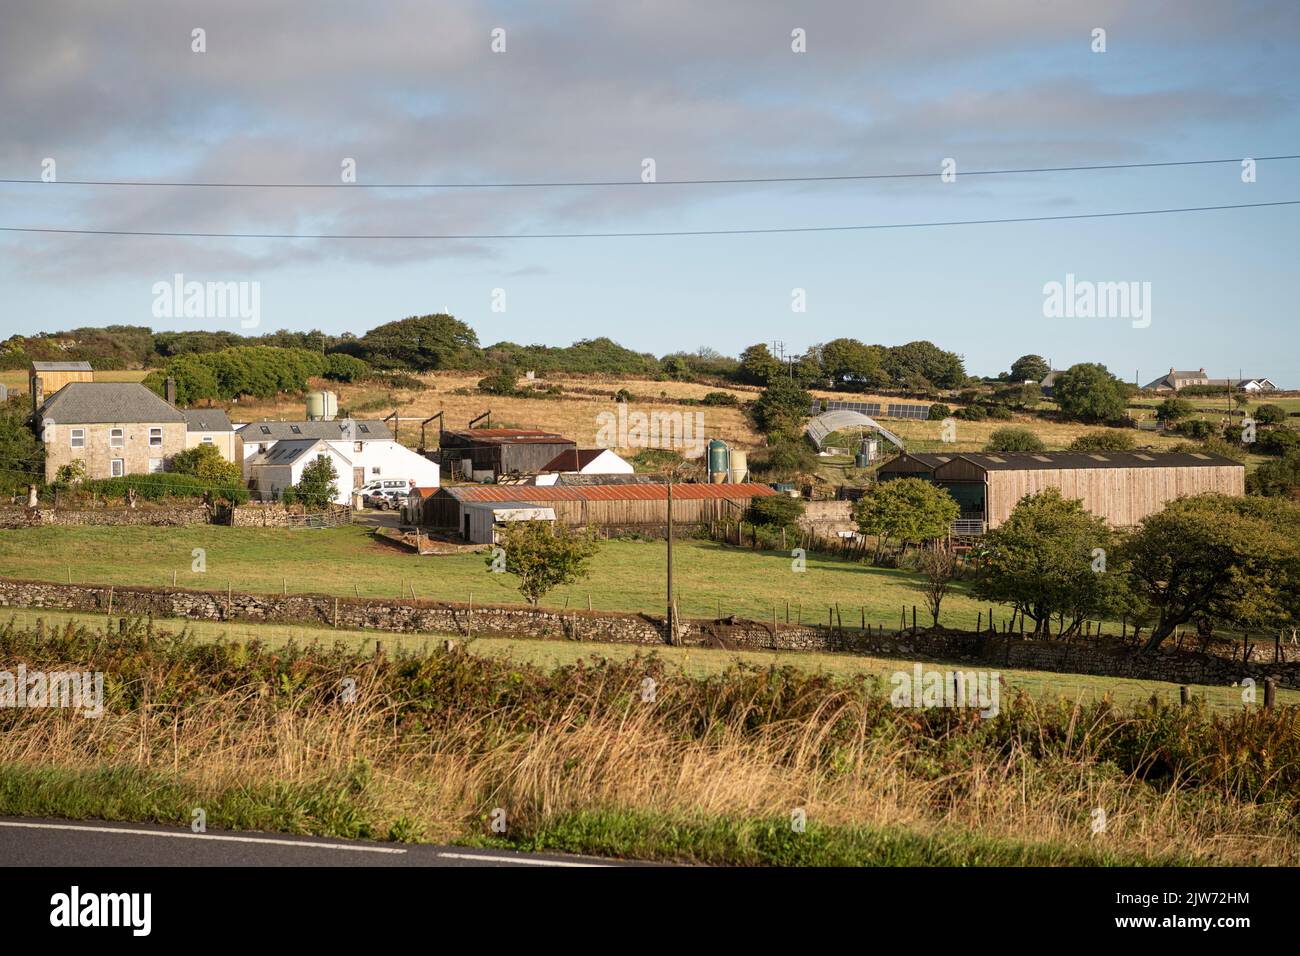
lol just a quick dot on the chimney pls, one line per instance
(171, 390)
(38, 393)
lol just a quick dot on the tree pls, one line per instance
(421, 343)
(1217, 558)
(924, 360)
(782, 408)
(1270, 415)
(1019, 395)
(786, 459)
(1043, 561)
(905, 510)
(205, 461)
(938, 567)
(1087, 392)
(1109, 439)
(758, 365)
(1029, 368)
(1014, 440)
(22, 454)
(544, 555)
(849, 364)
(1174, 409)
(316, 489)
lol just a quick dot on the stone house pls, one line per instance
(113, 428)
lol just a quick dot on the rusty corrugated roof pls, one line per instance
(656, 492)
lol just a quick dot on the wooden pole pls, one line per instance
(1270, 692)
(1182, 696)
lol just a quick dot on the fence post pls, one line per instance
(1182, 696)
(1270, 692)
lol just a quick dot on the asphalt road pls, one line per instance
(35, 842)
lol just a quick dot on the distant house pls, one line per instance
(113, 428)
(46, 378)
(1049, 381)
(583, 461)
(270, 472)
(368, 445)
(1175, 379)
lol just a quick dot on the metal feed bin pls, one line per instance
(719, 461)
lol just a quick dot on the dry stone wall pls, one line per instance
(1105, 656)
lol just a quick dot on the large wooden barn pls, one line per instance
(631, 506)
(485, 454)
(1122, 487)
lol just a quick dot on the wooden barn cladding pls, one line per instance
(624, 505)
(1121, 487)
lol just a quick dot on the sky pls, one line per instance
(583, 92)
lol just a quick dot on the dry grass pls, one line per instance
(602, 750)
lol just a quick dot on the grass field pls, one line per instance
(695, 662)
(625, 575)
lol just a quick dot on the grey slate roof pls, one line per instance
(362, 430)
(97, 402)
(1023, 461)
(62, 367)
(287, 451)
(206, 420)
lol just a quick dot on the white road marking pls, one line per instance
(522, 860)
(204, 836)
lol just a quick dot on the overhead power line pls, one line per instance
(640, 235)
(720, 181)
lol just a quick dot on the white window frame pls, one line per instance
(207, 439)
(155, 433)
(155, 466)
(120, 435)
(117, 467)
(77, 438)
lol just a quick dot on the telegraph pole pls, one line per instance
(670, 617)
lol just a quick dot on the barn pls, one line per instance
(1123, 487)
(485, 454)
(631, 506)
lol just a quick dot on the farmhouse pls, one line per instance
(112, 428)
(1175, 379)
(633, 506)
(270, 472)
(485, 454)
(211, 426)
(368, 446)
(1123, 487)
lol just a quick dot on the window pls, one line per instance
(266, 429)
(155, 465)
(358, 446)
(78, 439)
(207, 439)
(365, 428)
(155, 438)
(295, 429)
(115, 438)
(117, 467)
(374, 471)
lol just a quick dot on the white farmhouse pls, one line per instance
(270, 472)
(369, 447)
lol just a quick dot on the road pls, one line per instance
(35, 842)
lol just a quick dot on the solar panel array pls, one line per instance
(876, 410)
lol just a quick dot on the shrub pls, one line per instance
(720, 398)
(777, 511)
(345, 368)
(972, 413)
(623, 396)
(204, 461)
(1014, 440)
(1197, 428)
(1110, 439)
(501, 382)
(160, 485)
(1174, 409)
(998, 412)
(1277, 441)
(1087, 392)
(938, 412)
(316, 489)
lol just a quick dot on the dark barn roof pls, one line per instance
(619, 492)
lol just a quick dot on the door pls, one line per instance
(467, 527)
(358, 478)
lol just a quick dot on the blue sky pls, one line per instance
(585, 91)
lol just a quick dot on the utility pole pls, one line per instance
(670, 617)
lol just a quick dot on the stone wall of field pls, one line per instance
(162, 516)
(1103, 657)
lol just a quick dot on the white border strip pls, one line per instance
(204, 836)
